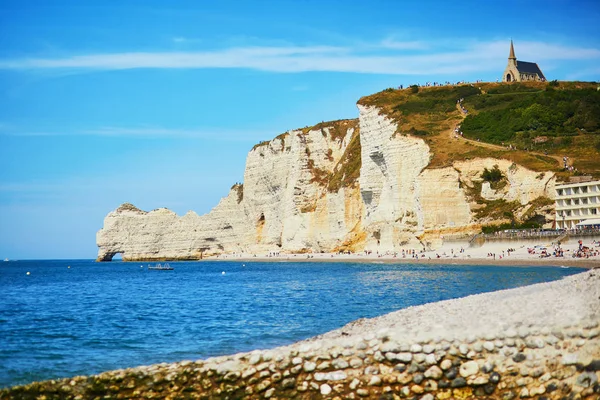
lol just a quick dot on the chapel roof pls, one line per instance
(530, 68)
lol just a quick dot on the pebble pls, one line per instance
(418, 378)
(255, 359)
(534, 343)
(416, 348)
(375, 381)
(480, 380)
(511, 333)
(569, 359)
(434, 372)
(487, 367)
(469, 368)
(431, 359)
(463, 348)
(536, 391)
(362, 345)
(405, 357)
(427, 349)
(325, 389)
(356, 362)
(371, 370)
(446, 364)
(586, 379)
(489, 346)
(309, 366)
(458, 382)
(419, 358)
(452, 373)
(428, 396)
(330, 376)
(523, 332)
(417, 389)
(430, 386)
(339, 363)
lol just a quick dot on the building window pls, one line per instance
(594, 211)
(560, 192)
(584, 189)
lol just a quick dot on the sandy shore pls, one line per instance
(526, 253)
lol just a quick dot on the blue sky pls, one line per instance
(157, 103)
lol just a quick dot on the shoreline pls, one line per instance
(497, 253)
(578, 263)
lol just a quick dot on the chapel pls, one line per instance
(518, 71)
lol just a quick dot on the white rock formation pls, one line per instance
(287, 202)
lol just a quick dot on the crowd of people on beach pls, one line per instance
(555, 250)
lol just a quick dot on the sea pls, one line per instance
(62, 318)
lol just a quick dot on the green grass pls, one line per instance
(543, 120)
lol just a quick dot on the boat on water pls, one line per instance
(159, 267)
(6, 259)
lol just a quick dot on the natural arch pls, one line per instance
(108, 256)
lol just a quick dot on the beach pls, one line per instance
(523, 253)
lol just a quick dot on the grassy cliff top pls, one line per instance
(337, 130)
(543, 121)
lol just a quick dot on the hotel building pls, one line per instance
(577, 202)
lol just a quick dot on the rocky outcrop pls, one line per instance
(284, 204)
(511, 344)
(345, 185)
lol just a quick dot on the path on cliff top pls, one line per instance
(453, 135)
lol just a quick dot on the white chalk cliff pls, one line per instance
(303, 192)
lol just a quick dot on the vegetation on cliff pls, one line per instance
(533, 124)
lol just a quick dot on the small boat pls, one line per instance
(6, 259)
(158, 267)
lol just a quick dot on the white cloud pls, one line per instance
(222, 135)
(386, 57)
(391, 43)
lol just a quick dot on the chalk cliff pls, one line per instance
(343, 185)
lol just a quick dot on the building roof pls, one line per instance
(576, 184)
(530, 68)
(589, 222)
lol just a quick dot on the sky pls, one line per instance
(157, 103)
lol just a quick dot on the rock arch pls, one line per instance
(108, 256)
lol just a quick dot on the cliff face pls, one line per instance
(283, 205)
(303, 191)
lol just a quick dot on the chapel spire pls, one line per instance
(511, 56)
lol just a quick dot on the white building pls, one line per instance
(577, 202)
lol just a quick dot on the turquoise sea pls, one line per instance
(79, 317)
